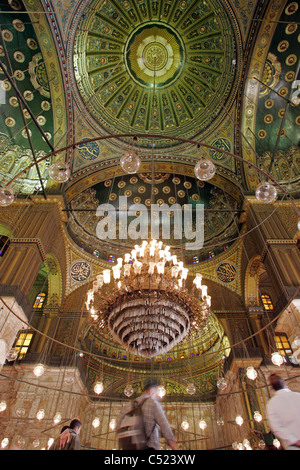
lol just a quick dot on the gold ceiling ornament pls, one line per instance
(144, 302)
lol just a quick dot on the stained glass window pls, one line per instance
(23, 343)
(39, 300)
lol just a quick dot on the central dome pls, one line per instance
(154, 55)
(156, 68)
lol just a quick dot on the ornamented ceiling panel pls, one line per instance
(165, 67)
(271, 119)
(221, 212)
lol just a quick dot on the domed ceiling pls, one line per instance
(221, 213)
(165, 67)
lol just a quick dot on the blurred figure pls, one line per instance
(69, 437)
(153, 417)
(283, 413)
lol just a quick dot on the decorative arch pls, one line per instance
(253, 271)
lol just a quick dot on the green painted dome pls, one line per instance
(162, 67)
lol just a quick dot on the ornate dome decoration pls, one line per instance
(186, 52)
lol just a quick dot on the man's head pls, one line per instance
(151, 388)
(75, 425)
(276, 382)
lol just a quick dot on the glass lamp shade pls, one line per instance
(221, 383)
(4, 442)
(251, 373)
(39, 370)
(128, 391)
(57, 418)
(59, 172)
(277, 359)
(202, 424)
(257, 416)
(266, 192)
(191, 389)
(98, 388)
(7, 196)
(96, 423)
(40, 414)
(204, 169)
(130, 162)
(185, 425)
(239, 420)
(113, 424)
(3, 405)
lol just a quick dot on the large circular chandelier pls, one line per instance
(144, 302)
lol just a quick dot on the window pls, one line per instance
(23, 343)
(39, 300)
(267, 302)
(283, 345)
(4, 244)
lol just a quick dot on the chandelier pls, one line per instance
(144, 302)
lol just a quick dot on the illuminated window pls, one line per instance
(39, 300)
(283, 345)
(267, 302)
(211, 254)
(23, 343)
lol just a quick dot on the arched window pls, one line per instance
(282, 344)
(22, 343)
(267, 302)
(39, 300)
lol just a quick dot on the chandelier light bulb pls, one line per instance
(277, 359)
(221, 383)
(98, 388)
(251, 373)
(298, 225)
(276, 443)
(239, 420)
(202, 424)
(40, 414)
(59, 172)
(191, 389)
(3, 405)
(7, 196)
(113, 424)
(185, 425)
(4, 442)
(39, 370)
(96, 423)
(57, 418)
(257, 416)
(204, 169)
(50, 442)
(130, 162)
(266, 193)
(128, 390)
